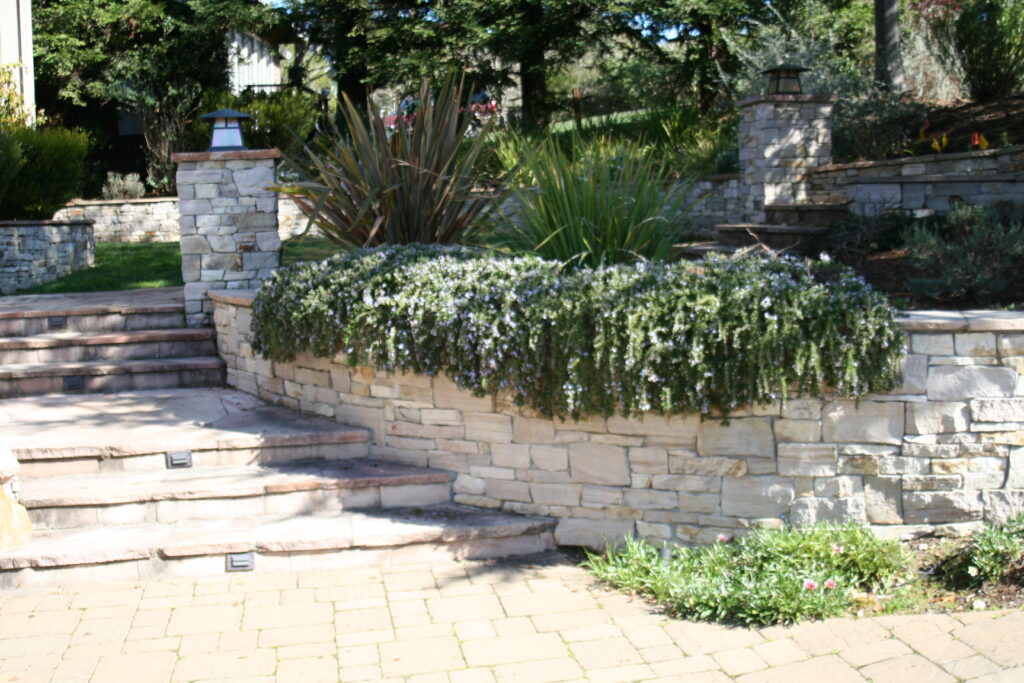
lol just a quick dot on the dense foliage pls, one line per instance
(973, 252)
(40, 170)
(368, 185)
(768, 577)
(597, 204)
(669, 338)
(995, 553)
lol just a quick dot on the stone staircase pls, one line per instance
(52, 344)
(792, 228)
(189, 480)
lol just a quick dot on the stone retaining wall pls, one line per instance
(155, 219)
(35, 252)
(942, 453)
(715, 199)
(923, 182)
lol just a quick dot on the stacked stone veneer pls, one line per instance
(943, 452)
(228, 220)
(924, 182)
(781, 138)
(36, 252)
(156, 219)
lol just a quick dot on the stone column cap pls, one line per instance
(802, 98)
(178, 157)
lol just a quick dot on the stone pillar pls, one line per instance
(228, 221)
(781, 137)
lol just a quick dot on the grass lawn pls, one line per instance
(157, 264)
(122, 266)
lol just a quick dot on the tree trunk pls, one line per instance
(888, 61)
(533, 73)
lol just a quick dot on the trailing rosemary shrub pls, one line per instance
(670, 338)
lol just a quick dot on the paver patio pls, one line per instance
(534, 620)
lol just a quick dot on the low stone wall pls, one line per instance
(35, 252)
(923, 182)
(715, 199)
(942, 453)
(155, 219)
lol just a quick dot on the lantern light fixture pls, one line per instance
(227, 130)
(784, 79)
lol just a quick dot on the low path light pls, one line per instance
(784, 79)
(227, 129)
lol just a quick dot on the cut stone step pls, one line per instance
(63, 347)
(773, 236)
(243, 491)
(105, 376)
(133, 432)
(138, 309)
(353, 539)
(818, 214)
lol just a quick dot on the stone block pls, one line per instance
(809, 511)
(961, 383)
(550, 458)
(465, 483)
(691, 463)
(601, 496)
(516, 456)
(529, 430)
(932, 482)
(932, 344)
(1011, 345)
(648, 460)
(750, 436)
(1000, 506)
(488, 427)
(937, 417)
(936, 507)
(998, 410)
(593, 533)
(765, 496)
(503, 489)
(869, 422)
(798, 430)
(1015, 466)
(194, 244)
(599, 464)
(915, 374)
(682, 427)
(253, 182)
(650, 499)
(556, 494)
(841, 486)
(807, 460)
(975, 344)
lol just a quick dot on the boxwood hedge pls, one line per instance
(702, 337)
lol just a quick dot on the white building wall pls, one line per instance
(252, 62)
(16, 47)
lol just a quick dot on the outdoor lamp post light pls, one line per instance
(784, 79)
(227, 130)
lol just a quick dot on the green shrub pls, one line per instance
(768, 577)
(51, 174)
(604, 202)
(368, 186)
(12, 159)
(669, 338)
(984, 40)
(993, 554)
(879, 125)
(127, 186)
(974, 252)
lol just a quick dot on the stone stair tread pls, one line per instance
(768, 228)
(157, 300)
(106, 367)
(59, 339)
(808, 206)
(157, 421)
(236, 481)
(441, 523)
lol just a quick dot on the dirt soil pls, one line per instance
(1001, 122)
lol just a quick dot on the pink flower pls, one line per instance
(830, 584)
(838, 549)
(722, 538)
(810, 585)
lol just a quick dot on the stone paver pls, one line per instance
(533, 620)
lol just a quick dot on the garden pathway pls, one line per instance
(533, 620)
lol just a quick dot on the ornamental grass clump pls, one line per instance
(664, 337)
(768, 577)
